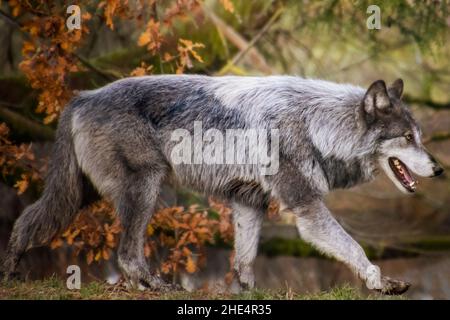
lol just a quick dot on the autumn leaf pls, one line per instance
(147, 250)
(28, 48)
(189, 47)
(228, 5)
(150, 230)
(98, 256)
(144, 38)
(105, 254)
(50, 118)
(22, 185)
(143, 70)
(274, 210)
(109, 237)
(86, 16)
(166, 267)
(186, 49)
(110, 8)
(187, 252)
(151, 37)
(90, 256)
(229, 277)
(191, 267)
(15, 6)
(167, 57)
(56, 243)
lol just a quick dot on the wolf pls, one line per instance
(118, 138)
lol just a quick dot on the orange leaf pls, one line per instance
(22, 185)
(28, 47)
(56, 243)
(228, 5)
(90, 256)
(150, 230)
(191, 267)
(105, 253)
(98, 256)
(144, 38)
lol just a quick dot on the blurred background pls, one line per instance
(43, 64)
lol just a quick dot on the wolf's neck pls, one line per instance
(341, 174)
(343, 145)
(337, 129)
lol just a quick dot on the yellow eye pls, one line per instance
(409, 136)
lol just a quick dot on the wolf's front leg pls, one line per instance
(317, 226)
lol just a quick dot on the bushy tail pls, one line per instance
(59, 203)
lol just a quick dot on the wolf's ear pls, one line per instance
(376, 99)
(396, 88)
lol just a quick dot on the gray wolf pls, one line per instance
(330, 136)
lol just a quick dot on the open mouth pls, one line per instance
(403, 174)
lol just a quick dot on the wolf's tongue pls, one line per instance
(406, 174)
(403, 174)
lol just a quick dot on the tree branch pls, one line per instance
(105, 75)
(33, 128)
(255, 39)
(242, 44)
(9, 19)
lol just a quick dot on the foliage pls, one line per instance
(49, 51)
(176, 236)
(186, 232)
(17, 160)
(95, 230)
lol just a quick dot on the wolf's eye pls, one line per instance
(409, 136)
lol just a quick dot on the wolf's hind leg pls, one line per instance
(317, 226)
(247, 227)
(135, 206)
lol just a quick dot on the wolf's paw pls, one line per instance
(157, 284)
(153, 283)
(143, 285)
(393, 287)
(245, 278)
(169, 287)
(243, 287)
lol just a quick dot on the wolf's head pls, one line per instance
(399, 150)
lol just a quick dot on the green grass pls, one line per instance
(55, 289)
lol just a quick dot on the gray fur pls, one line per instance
(331, 136)
(57, 206)
(247, 226)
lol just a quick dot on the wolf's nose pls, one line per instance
(438, 171)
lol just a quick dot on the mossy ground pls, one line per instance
(55, 289)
